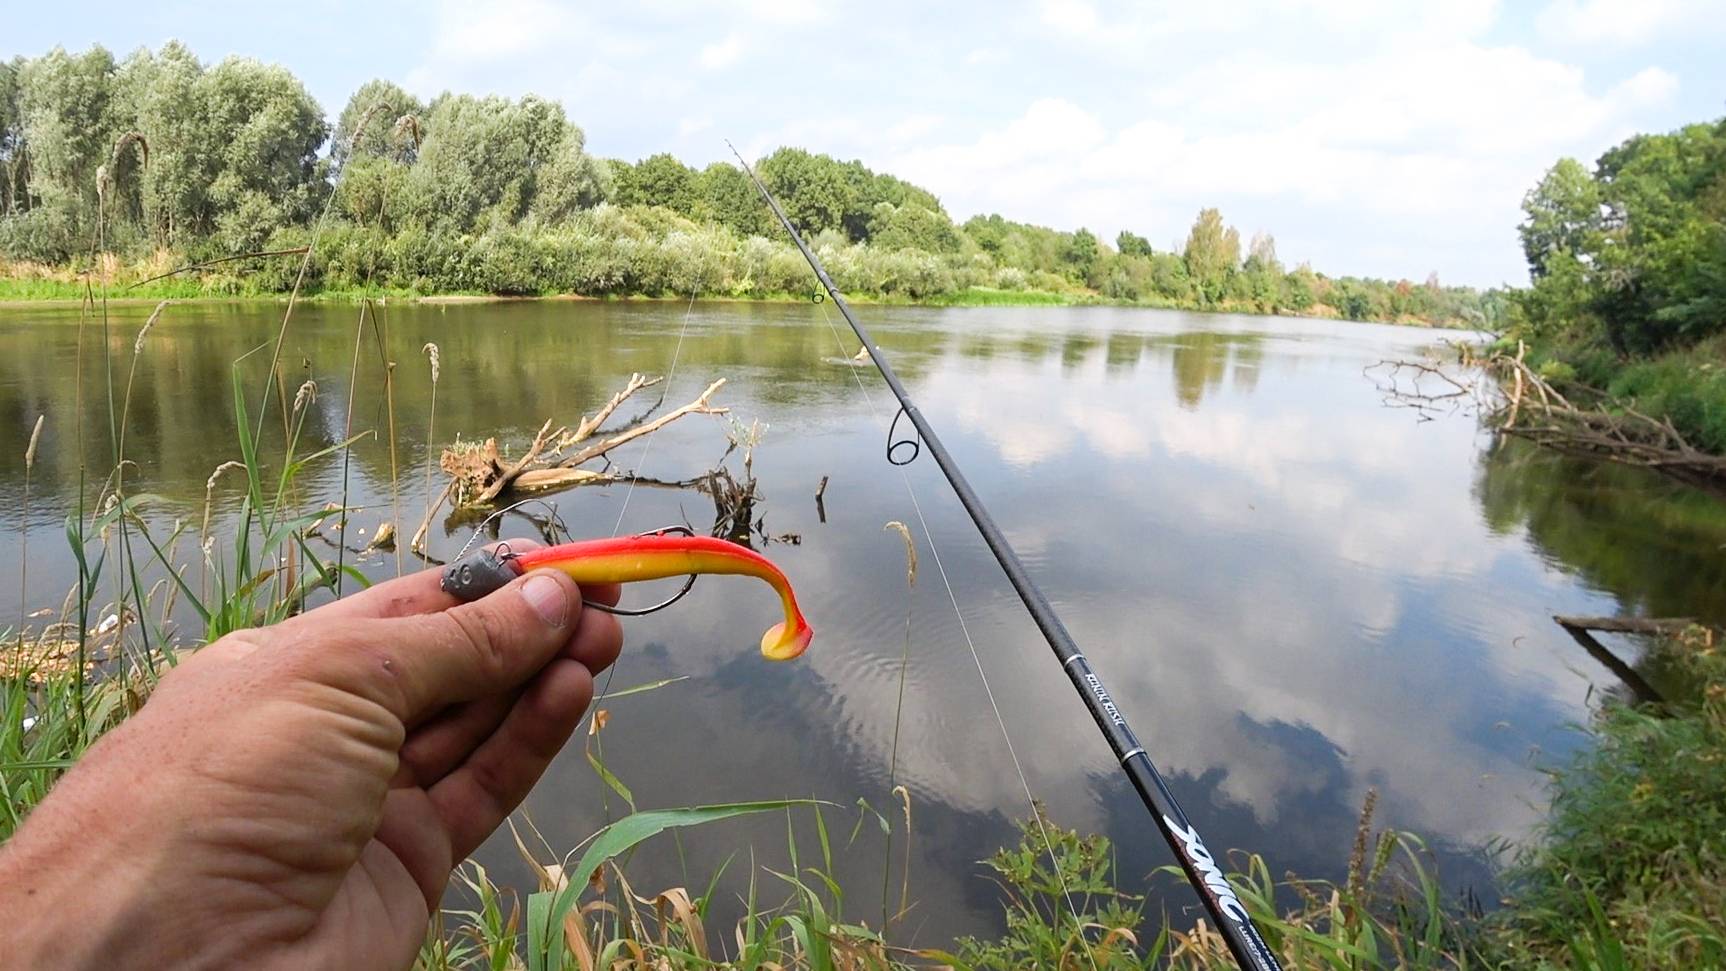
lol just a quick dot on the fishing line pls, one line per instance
(1000, 722)
(641, 464)
(647, 446)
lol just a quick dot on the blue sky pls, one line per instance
(1370, 137)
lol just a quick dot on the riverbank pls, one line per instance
(1686, 386)
(68, 287)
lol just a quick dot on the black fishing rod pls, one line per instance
(1225, 909)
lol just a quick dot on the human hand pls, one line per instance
(297, 795)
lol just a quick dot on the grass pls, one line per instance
(1630, 870)
(1687, 386)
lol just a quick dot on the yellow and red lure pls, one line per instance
(626, 559)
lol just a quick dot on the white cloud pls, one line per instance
(1615, 22)
(492, 30)
(1445, 139)
(914, 126)
(691, 126)
(723, 53)
(1070, 16)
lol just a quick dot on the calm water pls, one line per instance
(1294, 592)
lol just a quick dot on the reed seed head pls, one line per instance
(210, 485)
(910, 550)
(307, 394)
(155, 315)
(35, 438)
(430, 350)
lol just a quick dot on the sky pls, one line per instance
(1369, 137)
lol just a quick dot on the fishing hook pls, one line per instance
(502, 554)
(505, 554)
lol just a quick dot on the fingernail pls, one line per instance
(547, 599)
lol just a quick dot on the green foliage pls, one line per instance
(485, 162)
(394, 124)
(1213, 252)
(1632, 255)
(1062, 907)
(1129, 244)
(493, 195)
(1628, 871)
(661, 180)
(811, 188)
(726, 196)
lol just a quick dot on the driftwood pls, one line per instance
(1516, 400)
(480, 475)
(1579, 627)
(1627, 625)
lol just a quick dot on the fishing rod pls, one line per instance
(1225, 908)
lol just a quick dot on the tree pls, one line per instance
(661, 180)
(725, 195)
(1636, 253)
(394, 124)
(912, 226)
(1080, 253)
(11, 139)
(1213, 251)
(988, 232)
(267, 130)
(1261, 276)
(1129, 244)
(571, 181)
(1560, 214)
(811, 188)
(163, 96)
(483, 160)
(67, 106)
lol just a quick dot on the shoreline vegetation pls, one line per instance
(25, 284)
(1628, 268)
(184, 164)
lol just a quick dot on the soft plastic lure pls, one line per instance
(626, 559)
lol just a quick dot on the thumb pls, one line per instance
(420, 664)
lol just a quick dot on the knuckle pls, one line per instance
(476, 629)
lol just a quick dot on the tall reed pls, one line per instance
(24, 531)
(898, 718)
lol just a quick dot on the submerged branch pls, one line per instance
(1514, 398)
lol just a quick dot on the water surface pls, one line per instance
(1294, 592)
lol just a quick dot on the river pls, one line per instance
(1294, 592)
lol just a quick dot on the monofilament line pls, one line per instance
(646, 447)
(976, 658)
(670, 375)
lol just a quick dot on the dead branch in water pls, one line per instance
(1514, 398)
(479, 474)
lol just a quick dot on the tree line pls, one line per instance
(1627, 261)
(161, 153)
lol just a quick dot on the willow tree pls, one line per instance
(1213, 252)
(67, 106)
(488, 162)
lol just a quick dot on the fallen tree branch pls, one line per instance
(1627, 625)
(1498, 387)
(587, 426)
(479, 474)
(700, 406)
